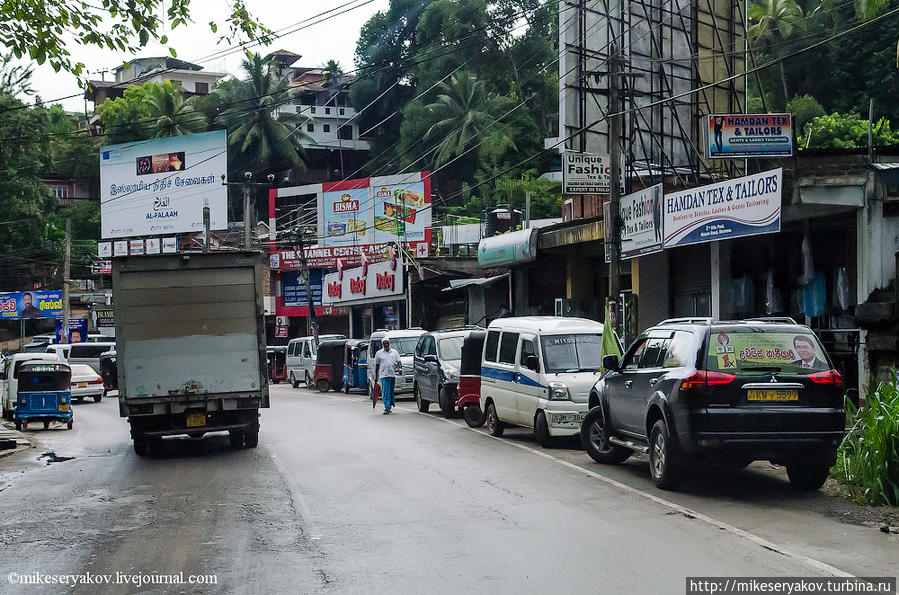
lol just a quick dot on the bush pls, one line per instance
(804, 108)
(868, 459)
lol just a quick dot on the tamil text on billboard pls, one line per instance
(161, 186)
(588, 173)
(740, 207)
(641, 222)
(31, 304)
(749, 135)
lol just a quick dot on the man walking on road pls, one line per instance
(386, 362)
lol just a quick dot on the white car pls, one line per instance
(86, 383)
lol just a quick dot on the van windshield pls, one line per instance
(404, 345)
(572, 353)
(753, 352)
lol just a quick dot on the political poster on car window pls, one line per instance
(749, 135)
(768, 352)
(641, 222)
(740, 207)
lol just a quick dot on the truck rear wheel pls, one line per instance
(251, 439)
(235, 438)
(141, 445)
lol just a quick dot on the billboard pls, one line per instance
(293, 289)
(325, 258)
(641, 222)
(375, 282)
(748, 135)
(77, 330)
(31, 304)
(588, 173)
(740, 207)
(160, 186)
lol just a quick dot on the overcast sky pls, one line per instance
(334, 38)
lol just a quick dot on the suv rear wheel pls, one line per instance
(808, 476)
(594, 437)
(663, 457)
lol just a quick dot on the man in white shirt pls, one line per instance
(386, 362)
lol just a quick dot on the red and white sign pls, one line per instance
(326, 258)
(382, 281)
(281, 331)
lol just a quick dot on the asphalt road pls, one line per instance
(338, 498)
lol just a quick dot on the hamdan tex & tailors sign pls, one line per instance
(749, 135)
(161, 186)
(740, 207)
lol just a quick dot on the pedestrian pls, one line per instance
(386, 362)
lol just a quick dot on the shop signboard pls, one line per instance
(740, 207)
(104, 249)
(588, 173)
(104, 318)
(31, 304)
(161, 186)
(641, 222)
(293, 289)
(737, 136)
(321, 257)
(281, 331)
(120, 248)
(371, 283)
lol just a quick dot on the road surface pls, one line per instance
(341, 499)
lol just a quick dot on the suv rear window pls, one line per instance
(754, 351)
(89, 350)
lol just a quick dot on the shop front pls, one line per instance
(373, 294)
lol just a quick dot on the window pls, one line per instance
(432, 346)
(451, 348)
(420, 348)
(326, 127)
(299, 109)
(89, 350)
(572, 352)
(527, 350)
(679, 350)
(60, 190)
(654, 353)
(327, 111)
(490, 346)
(341, 111)
(306, 351)
(507, 347)
(312, 110)
(292, 349)
(345, 133)
(201, 88)
(310, 127)
(632, 358)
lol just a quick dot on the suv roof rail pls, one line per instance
(688, 320)
(774, 319)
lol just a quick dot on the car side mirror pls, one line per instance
(532, 363)
(431, 359)
(610, 362)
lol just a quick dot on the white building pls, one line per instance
(192, 79)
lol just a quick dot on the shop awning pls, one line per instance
(479, 281)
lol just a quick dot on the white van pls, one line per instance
(9, 384)
(404, 341)
(301, 354)
(537, 372)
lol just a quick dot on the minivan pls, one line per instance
(404, 341)
(88, 353)
(301, 354)
(537, 372)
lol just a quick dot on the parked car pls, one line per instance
(436, 362)
(469, 389)
(328, 373)
(9, 377)
(537, 372)
(301, 354)
(404, 341)
(88, 353)
(86, 383)
(38, 343)
(728, 391)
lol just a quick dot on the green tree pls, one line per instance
(260, 140)
(128, 118)
(332, 73)
(15, 79)
(174, 116)
(43, 30)
(847, 131)
(804, 109)
(772, 23)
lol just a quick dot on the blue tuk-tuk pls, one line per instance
(44, 394)
(355, 365)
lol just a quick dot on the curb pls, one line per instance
(22, 441)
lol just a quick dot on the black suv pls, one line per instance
(438, 357)
(732, 391)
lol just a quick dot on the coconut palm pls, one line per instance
(464, 117)
(773, 22)
(260, 138)
(332, 73)
(174, 116)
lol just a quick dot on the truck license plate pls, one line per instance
(195, 420)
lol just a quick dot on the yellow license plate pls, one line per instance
(195, 420)
(773, 395)
(82, 385)
(63, 408)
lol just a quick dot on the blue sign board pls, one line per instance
(31, 304)
(77, 330)
(293, 288)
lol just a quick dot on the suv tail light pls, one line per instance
(831, 377)
(702, 378)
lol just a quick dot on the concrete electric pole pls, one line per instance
(614, 182)
(66, 274)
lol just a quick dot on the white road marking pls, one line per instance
(761, 541)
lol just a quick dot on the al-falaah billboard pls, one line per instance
(160, 186)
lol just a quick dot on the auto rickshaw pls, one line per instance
(276, 357)
(109, 371)
(328, 372)
(44, 394)
(355, 365)
(469, 389)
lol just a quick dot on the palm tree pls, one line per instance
(174, 116)
(773, 22)
(333, 72)
(463, 111)
(260, 138)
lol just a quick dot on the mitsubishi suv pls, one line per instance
(734, 392)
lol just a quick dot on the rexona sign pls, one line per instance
(378, 282)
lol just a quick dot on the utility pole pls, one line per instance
(527, 209)
(301, 252)
(247, 212)
(66, 273)
(206, 227)
(614, 184)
